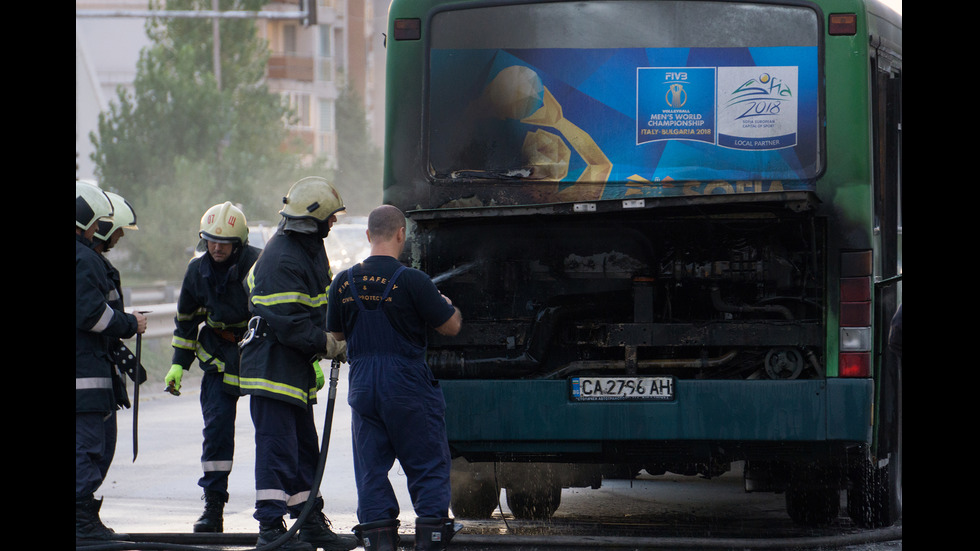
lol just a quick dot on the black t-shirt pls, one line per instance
(413, 303)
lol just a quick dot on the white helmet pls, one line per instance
(224, 223)
(312, 197)
(124, 217)
(91, 204)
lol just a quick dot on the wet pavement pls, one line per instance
(158, 494)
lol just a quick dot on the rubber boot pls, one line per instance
(88, 525)
(211, 520)
(434, 533)
(380, 535)
(270, 532)
(316, 531)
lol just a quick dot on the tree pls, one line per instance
(184, 141)
(359, 162)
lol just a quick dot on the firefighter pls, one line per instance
(97, 325)
(287, 335)
(382, 310)
(107, 235)
(212, 314)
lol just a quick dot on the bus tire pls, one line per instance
(476, 500)
(812, 505)
(534, 501)
(473, 491)
(874, 499)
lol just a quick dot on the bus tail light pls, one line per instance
(854, 359)
(842, 24)
(408, 29)
(856, 364)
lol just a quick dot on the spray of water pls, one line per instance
(453, 273)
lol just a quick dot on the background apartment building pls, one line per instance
(308, 65)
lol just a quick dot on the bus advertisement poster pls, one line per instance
(627, 114)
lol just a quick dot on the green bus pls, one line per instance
(674, 230)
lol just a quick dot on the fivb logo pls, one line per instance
(676, 94)
(675, 103)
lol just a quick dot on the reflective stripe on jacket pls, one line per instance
(212, 312)
(288, 291)
(97, 325)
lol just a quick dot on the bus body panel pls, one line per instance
(541, 412)
(727, 268)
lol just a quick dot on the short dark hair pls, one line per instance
(385, 221)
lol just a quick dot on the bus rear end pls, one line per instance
(636, 206)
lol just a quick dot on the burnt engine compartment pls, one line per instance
(710, 295)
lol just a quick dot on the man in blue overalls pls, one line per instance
(383, 309)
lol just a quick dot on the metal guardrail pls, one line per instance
(150, 294)
(160, 304)
(159, 319)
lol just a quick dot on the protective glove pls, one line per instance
(319, 375)
(336, 350)
(173, 379)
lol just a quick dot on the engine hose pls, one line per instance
(304, 514)
(722, 306)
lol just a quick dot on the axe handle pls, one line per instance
(136, 390)
(136, 396)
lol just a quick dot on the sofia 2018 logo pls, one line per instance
(759, 110)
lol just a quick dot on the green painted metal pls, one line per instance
(537, 415)
(527, 411)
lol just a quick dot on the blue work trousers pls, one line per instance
(219, 409)
(95, 446)
(286, 455)
(397, 413)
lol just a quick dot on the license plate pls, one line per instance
(622, 388)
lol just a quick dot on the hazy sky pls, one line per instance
(895, 4)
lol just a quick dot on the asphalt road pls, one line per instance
(158, 493)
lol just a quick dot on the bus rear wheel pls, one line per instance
(474, 492)
(812, 505)
(535, 502)
(476, 500)
(874, 499)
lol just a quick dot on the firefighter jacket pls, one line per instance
(116, 346)
(288, 297)
(97, 326)
(212, 313)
